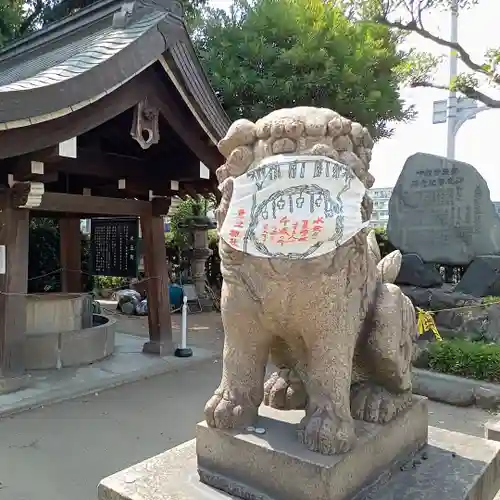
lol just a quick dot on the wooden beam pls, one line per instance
(140, 172)
(101, 165)
(22, 140)
(14, 235)
(155, 266)
(70, 253)
(173, 113)
(134, 187)
(92, 205)
(160, 206)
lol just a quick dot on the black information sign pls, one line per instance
(114, 246)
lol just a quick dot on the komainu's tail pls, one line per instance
(388, 267)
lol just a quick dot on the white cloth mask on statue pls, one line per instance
(294, 207)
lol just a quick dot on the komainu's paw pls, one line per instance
(322, 431)
(285, 391)
(226, 410)
(373, 403)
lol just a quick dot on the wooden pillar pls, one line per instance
(156, 269)
(70, 252)
(14, 235)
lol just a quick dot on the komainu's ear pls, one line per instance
(389, 267)
(373, 247)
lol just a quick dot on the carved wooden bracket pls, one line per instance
(145, 126)
(124, 15)
(132, 9)
(27, 194)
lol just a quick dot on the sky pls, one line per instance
(476, 141)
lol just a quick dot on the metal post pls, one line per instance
(183, 351)
(452, 97)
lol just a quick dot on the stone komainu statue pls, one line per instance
(338, 331)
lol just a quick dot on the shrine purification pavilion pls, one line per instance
(105, 113)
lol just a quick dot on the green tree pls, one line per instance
(407, 16)
(44, 260)
(12, 16)
(271, 54)
(19, 18)
(188, 209)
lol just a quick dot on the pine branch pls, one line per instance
(418, 28)
(468, 92)
(27, 23)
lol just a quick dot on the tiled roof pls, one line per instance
(71, 60)
(77, 60)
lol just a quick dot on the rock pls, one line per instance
(442, 298)
(420, 297)
(415, 272)
(473, 323)
(436, 299)
(442, 211)
(482, 277)
(470, 323)
(420, 356)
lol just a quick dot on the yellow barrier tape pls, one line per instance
(426, 323)
(462, 308)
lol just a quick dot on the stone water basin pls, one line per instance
(62, 331)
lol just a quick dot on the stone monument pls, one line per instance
(442, 211)
(304, 285)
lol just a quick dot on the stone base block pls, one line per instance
(13, 384)
(279, 467)
(156, 347)
(452, 466)
(492, 430)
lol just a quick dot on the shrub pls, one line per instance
(44, 257)
(463, 358)
(386, 247)
(109, 282)
(490, 299)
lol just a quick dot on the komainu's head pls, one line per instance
(294, 131)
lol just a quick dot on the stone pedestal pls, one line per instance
(279, 467)
(389, 463)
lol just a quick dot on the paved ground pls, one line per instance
(128, 364)
(62, 451)
(205, 329)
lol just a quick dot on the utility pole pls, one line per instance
(454, 111)
(452, 96)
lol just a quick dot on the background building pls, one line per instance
(380, 198)
(496, 204)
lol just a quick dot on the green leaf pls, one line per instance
(282, 53)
